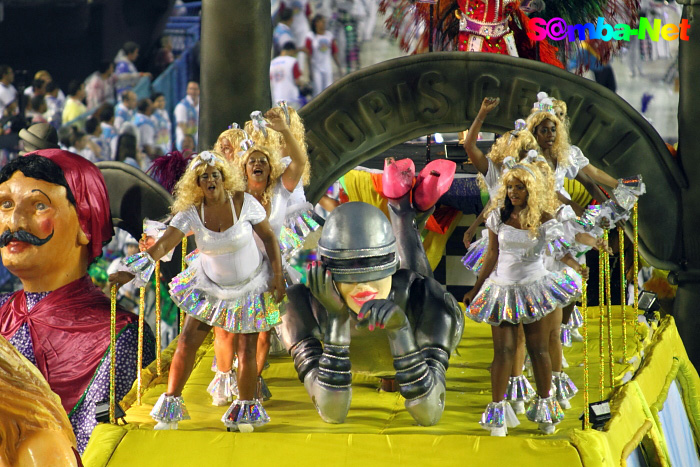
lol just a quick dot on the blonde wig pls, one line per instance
(560, 149)
(510, 144)
(187, 190)
(276, 169)
(27, 404)
(275, 140)
(561, 107)
(550, 201)
(531, 216)
(235, 137)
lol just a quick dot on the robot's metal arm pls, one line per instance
(421, 377)
(325, 372)
(329, 385)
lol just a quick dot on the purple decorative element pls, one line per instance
(22, 341)
(168, 169)
(83, 415)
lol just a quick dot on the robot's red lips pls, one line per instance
(363, 297)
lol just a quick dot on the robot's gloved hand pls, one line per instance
(322, 287)
(383, 314)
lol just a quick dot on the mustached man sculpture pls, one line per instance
(54, 219)
(371, 304)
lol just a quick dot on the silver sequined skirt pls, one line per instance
(242, 308)
(522, 302)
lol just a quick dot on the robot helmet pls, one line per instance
(357, 244)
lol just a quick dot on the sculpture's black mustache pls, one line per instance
(22, 236)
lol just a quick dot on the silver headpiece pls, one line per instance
(285, 109)
(544, 103)
(357, 244)
(519, 126)
(206, 157)
(246, 144)
(259, 122)
(533, 156)
(509, 163)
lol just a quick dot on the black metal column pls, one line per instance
(235, 77)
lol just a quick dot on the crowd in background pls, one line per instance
(315, 42)
(102, 119)
(92, 115)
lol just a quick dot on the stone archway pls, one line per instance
(369, 111)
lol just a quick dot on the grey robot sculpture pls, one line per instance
(362, 313)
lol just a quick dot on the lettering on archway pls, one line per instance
(372, 110)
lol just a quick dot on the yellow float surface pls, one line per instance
(379, 431)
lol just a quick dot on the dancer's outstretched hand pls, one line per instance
(146, 242)
(277, 288)
(120, 278)
(467, 239)
(602, 245)
(584, 272)
(489, 103)
(469, 296)
(382, 314)
(320, 282)
(275, 120)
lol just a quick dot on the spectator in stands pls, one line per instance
(36, 109)
(187, 115)
(127, 76)
(164, 126)
(54, 104)
(74, 107)
(99, 87)
(163, 57)
(188, 146)
(285, 76)
(8, 112)
(46, 77)
(64, 137)
(127, 146)
(368, 20)
(11, 124)
(125, 110)
(105, 115)
(38, 88)
(301, 12)
(8, 93)
(94, 134)
(37, 83)
(179, 8)
(146, 127)
(7, 115)
(81, 145)
(323, 51)
(283, 31)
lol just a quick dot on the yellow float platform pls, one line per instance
(379, 431)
